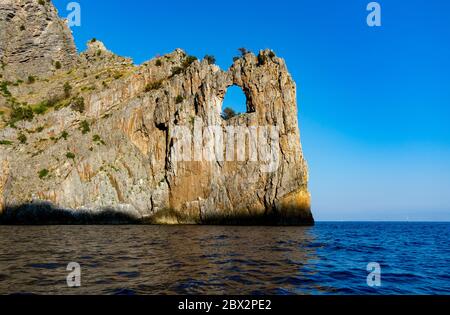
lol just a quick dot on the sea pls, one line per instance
(330, 258)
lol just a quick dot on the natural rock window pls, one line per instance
(235, 103)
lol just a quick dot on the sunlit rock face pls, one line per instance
(111, 142)
(33, 40)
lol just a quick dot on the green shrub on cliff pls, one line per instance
(53, 102)
(5, 142)
(210, 59)
(176, 71)
(97, 139)
(188, 61)
(43, 173)
(228, 113)
(67, 89)
(179, 99)
(20, 113)
(4, 89)
(243, 51)
(64, 135)
(31, 79)
(77, 104)
(262, 60)
(40, 108)
(84, 127)
(153, 86)
(22, 138)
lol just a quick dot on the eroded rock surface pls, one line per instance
(102, 149)
(33, 40)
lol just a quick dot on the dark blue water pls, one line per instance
(330, 258)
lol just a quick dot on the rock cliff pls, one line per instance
(33, 39)
(102, 140)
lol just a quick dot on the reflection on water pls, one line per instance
(330, 258)
(155, 259)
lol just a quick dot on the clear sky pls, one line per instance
(374, 103)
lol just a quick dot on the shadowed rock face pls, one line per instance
(122, 165)
(33, 39)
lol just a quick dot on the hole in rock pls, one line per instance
(235, 103)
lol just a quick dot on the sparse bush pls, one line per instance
(67, 89)
(40, 108)
(52, 101)
(31, 79)
(77, 104)
(41, 2)
(93, 40)
(43, 106)
(64, 135)
(22, 138)
(228, 113)
(4, 89)
(84, 127)
(262, 59)
(188, 61)
(243, 51)
(88, 88)
(22, 28)
(158, 63)
(58, 65)
(20, 113)
(117, 75)
(176, 71)
(98, 140)
(99, 53)
(179, 99)
(211, 59)
(43, 173)
(70, 156)
(153, 86)
(5, 142)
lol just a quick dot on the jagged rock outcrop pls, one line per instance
(34, 41)
(120, 143)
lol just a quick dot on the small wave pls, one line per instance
(123, 291)
(49, 266)
(132, 274)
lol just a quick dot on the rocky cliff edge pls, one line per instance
(100, 140)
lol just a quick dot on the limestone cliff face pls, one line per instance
(107, 146)
(33, 40)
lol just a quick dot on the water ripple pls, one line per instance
(330, 258)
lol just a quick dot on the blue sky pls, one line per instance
(374, 103)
